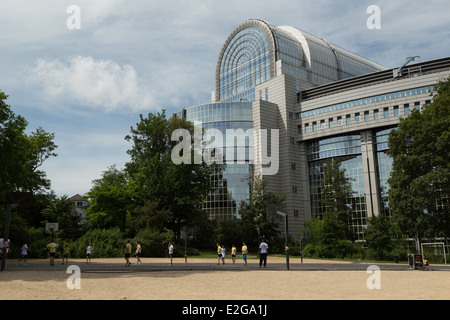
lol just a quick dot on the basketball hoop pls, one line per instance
(51, 226)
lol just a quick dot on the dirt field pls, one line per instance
(224, 285)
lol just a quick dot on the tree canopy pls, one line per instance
(420, 179)
(22, 154)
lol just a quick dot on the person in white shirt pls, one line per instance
(24, 254)
(223, 251)
(263, 249)
(170, 252)
(89, 253)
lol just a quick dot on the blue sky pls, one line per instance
(89, 85)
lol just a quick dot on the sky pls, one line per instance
(89, 84)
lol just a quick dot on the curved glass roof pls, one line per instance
(249, 54)
(245, 62)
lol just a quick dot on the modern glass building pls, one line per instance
(324, 102)
(229, 180)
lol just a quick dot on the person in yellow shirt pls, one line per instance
(128, 253)
(66, 251)
(233, 253)
(51, 247)
(244, 253)
(219, 253)
(138, 253)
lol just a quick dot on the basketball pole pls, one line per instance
(9, 208)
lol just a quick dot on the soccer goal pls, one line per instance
(434, 249)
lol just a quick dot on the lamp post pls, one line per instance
(286, 236)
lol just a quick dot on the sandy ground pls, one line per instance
(225, 285)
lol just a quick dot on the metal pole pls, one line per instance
(301, 251)
(287, 240)
(6, 234)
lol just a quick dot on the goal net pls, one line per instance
(434, 252)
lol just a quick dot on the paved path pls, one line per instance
(197, 264)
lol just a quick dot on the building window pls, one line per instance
(396, 111)
(307, 128)
(375, 114)
(386, 112)
(292, 140)
(267, 94)
(339, 121)
(295, 213)
(314, 125)
(291, 115)
(348, 119)
(322, 124)
(406, 108)
(357, 117)
(293, 165)
(330, 123)
(294, 189)
(366, 116)
(417, 105)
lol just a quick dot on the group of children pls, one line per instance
(221, 252)
(52, 247)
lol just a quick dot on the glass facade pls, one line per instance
(347, 150)
(244, 65)
(229, 180)
(384, 168)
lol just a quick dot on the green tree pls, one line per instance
(21, 155)
(420, 178)
(177, 189)
(258, 214)
(69, 221)
(380, 236)
(329, 235)
(110, 201)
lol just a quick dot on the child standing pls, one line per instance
(65, 254)
(233, 253)
(244, 253)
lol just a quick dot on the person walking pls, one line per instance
(219, 253)
(66, 251)
(51, 247)
(24, 254)
(89, 250)
(127, 253)
(223, 252)
(170, 247)
(263, 249)
(138, 253)
(244, 253)
(233, 253)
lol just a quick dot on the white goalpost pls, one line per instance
(436, 243)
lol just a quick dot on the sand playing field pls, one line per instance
(223, 284)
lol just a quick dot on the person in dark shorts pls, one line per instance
(128, 253)
(138, 253)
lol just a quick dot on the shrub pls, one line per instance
(154, 243)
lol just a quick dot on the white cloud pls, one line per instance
(98, 84)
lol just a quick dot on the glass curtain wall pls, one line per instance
(346, 150)
(245, 64)
(229, 180)
(384, 168)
